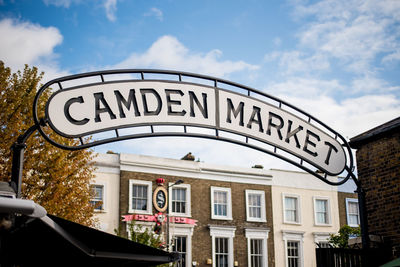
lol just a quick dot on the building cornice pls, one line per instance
(191, 169)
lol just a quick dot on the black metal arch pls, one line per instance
(114, 134)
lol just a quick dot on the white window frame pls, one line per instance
(257, 234)
(188, 212)
(353, 200)
(328, 210)
(149, 197)
(298, 208)
(224, 232)
(184, 230)
(104, 206)
(296, 236)
(141, 227)
(263, 217)
(229, 203)
(321, 238)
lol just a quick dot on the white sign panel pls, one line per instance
(98, 107)
(82, 111)
(269, 124)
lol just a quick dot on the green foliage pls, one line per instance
(54, 178)
(340, 240)
(142, 235)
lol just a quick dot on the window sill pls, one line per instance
(222, 218)
(256, 220)
(180, 215)
(292, 223)
(323, 224)
(99, 211)
(354, 225)
(140, 212)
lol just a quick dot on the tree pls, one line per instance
(341, 239)
(146, 236)
(54, 178)
(142, 235)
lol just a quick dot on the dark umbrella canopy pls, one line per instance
(52, 241)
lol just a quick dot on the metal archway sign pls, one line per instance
(116, 103)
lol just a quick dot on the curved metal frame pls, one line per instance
(42, 122)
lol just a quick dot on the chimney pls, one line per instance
(188, 156)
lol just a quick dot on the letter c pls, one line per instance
(68, 114)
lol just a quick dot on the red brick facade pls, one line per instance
(378, 161)
(201, 211)
(342, 206)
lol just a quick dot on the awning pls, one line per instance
(52, 241)
(392, 263)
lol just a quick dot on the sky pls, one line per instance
(337, 60)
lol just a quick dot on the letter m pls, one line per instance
(231, 110)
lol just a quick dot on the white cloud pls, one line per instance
(156, 13)
(350, 116)
(27, 43)
(297, 61)
(168, 53)
(372, 85)
(356, 32)
(206, 150)
(110, 7)
(277, 41)
(395, 56)
(303, 87)
(59, 3)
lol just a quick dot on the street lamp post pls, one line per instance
(176, 183)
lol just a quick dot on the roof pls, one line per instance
(52, 241)
(367, 136)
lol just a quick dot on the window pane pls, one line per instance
(291, 209)
(324, 245)
(290, 203)
(321, 205)
(353, 213)
(321, 211)
(180, 246)
(220, 203)
(293, 253)
(221, 252)
(179, 200)
(139, 197)
(353, 219)
(353, 207)
(256, 255)
(97, 199)
(254, 207)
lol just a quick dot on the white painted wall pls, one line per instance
(193, 169)
(108, 175)
(306, 187)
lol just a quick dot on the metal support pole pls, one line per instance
(363, 212)
(18, 149)
(17, 167)
(168, 248)
(363, 217)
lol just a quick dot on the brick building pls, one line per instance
(245, 216)
(378, 162)
(348, 204)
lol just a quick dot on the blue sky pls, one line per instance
(337, 60)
